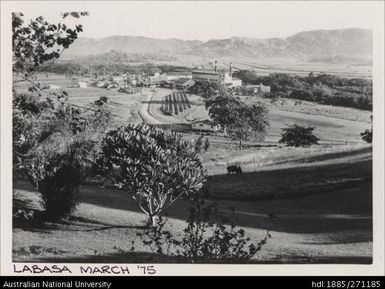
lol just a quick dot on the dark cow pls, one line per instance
(234, 170)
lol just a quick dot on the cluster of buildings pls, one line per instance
(180, 80)
(123, 81)
(175, 80)
(131, 82)
(259, 88)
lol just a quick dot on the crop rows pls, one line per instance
(175, 103)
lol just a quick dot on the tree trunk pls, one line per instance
(152, 220)
(240, 143)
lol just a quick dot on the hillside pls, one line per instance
(342, 45)
(129, 44)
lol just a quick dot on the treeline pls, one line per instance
(322, 88)
(97, 69)
(115, 56)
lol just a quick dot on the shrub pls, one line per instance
(206, 239)
(57, 174)
(367, 135)
(198, 144)
(206, 145)
(298, 136)
(154, 166)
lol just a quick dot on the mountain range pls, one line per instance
(315, 45)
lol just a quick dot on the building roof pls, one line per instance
(182, 80)
(256, 85)
(176, 73)
(205, 121)
(206, 71)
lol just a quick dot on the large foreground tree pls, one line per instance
(154, 166)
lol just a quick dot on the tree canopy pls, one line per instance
(298, 136)
(322, 88)
(156, 167)
(241, 121)
(53, 140)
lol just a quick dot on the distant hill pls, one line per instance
(129, 44)
(352, 44)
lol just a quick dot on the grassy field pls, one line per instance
(332, 227)
(124, 107)
(312, 108)
(321, 197)
(333, 125)
(265, 66)
(302, 68)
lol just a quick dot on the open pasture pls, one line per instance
(330, 226)
(303, 68)
(300, 171)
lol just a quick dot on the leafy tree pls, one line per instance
(250, 122)
(206, 89)
(39, 41)
(51, 138)
(242, 122)
(154, 166)
(34, 45)
(298, 136)
(221, 108)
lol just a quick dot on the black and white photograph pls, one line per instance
(192, 132)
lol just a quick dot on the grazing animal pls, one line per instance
(235, 170)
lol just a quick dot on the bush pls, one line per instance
(57, 174)
(198, 144)
(154, 166)
(298, 136)
(206, 239)
(367, 135)
(206, 145)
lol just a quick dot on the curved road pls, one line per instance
(145, 108)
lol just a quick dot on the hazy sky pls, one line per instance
(207, 20)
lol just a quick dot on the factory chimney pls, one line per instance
(215, 66)
(231, 70)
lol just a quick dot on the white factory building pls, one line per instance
(216, 76)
